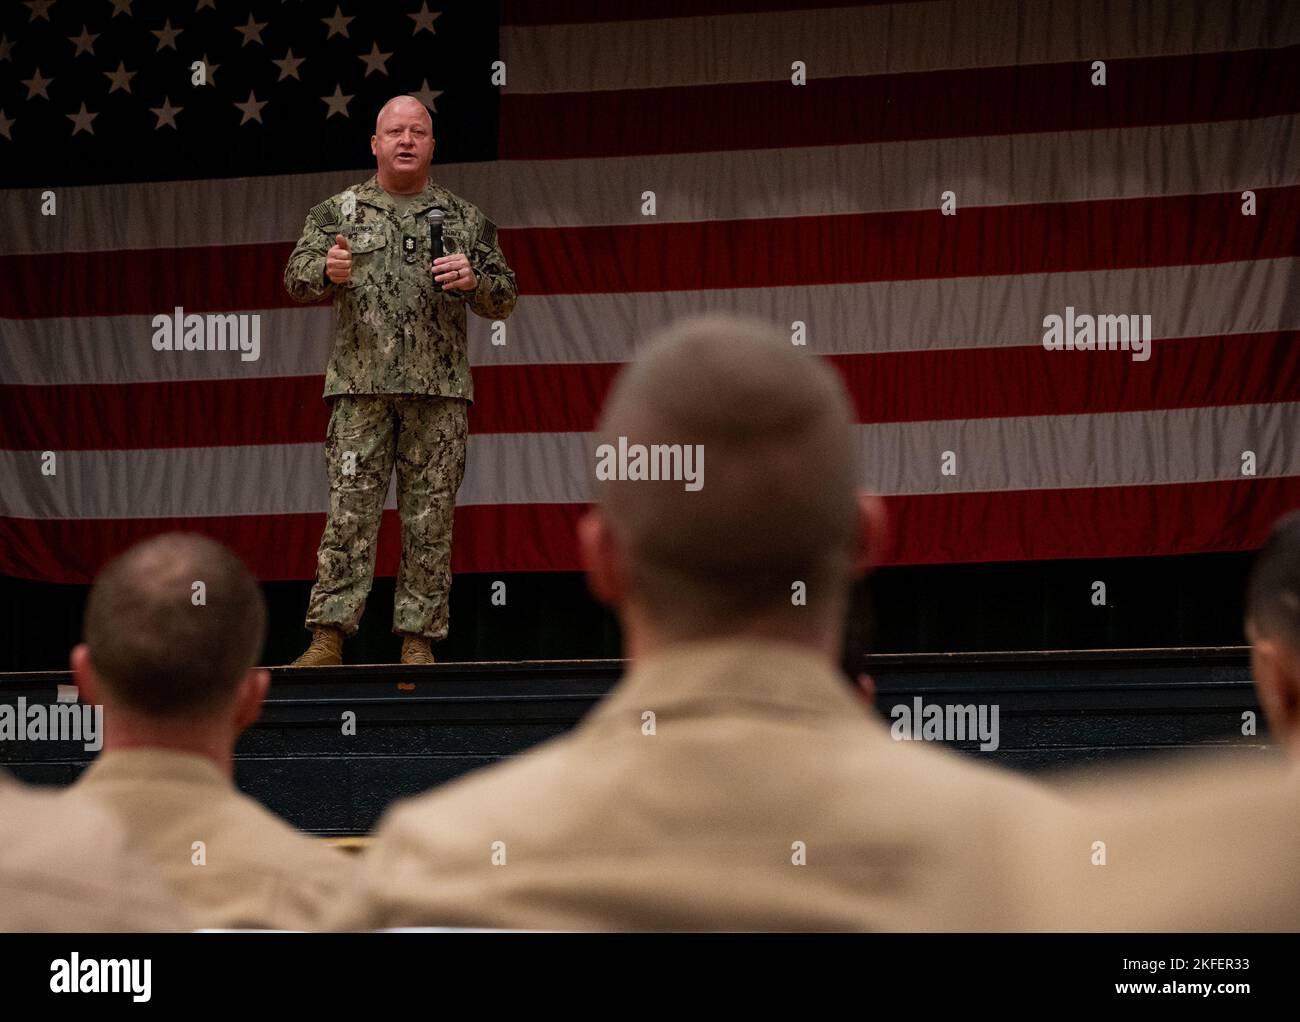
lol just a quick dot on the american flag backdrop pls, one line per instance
(818, 204)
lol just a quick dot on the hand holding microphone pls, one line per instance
(451, 271)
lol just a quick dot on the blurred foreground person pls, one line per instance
(1198, 843)
(1273, 627)
(64, 868)
(1201, 842)
(173, 628)
(733, 780)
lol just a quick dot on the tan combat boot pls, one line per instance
(326, 649)
(415, 650)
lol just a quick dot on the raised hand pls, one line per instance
(338, 261)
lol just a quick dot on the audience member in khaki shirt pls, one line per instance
(762, 755)
(758, 746)
(1203, 842)
(767, 796)
(64, 868)
(175, 677)
(1198, 843)
(252, 870)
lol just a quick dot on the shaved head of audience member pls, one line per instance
(778, 505)
(174, 627)
(1273, 627)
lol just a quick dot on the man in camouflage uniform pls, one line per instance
(398, 380)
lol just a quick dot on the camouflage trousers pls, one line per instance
(425, 437)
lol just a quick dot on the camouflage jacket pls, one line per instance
(395, 330)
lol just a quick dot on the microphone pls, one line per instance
(434, 216)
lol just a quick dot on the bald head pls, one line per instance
(173, 625)
(403, 145)
(403, 107)
(778, 504)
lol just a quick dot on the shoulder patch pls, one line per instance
(325, 215)
(488, 234)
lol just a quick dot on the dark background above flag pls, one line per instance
(129, 64)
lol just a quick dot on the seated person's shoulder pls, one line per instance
(273, 842)
(65, 866)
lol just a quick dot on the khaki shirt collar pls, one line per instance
(373, 195)
(155, 765)
(718, 676)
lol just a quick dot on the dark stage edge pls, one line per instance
(418, 727)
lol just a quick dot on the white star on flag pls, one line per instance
(338, 24)
(427, 96)
(85, 42)
(252, 109)
(120, 7)
(81, 120)
(121, 78)
(39, 8)
(37, 85)
(423, 19)
(5, 124)
(211, 70)
(166, 35)
(374, 60)
(252, 32)
(288, 66)
(166, 114)
(338, 103)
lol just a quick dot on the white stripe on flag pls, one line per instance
(1023, 453)
(1063, 166)
(916, 315)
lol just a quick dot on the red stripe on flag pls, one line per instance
(1104, 521)
(958, 103)
(184, 413)
(1112, 521)
(982, 383)
(529, 537)
(145, 282)
(909, 245)
(786, 252)
(909, 386)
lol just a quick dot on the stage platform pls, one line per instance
(417, 727)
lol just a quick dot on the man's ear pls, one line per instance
(1276, 669)
(600, 559)
(251, 694)
(873, 532)
(374, 145)
(83, 673)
